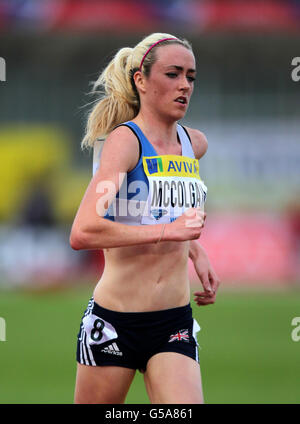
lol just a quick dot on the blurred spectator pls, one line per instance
(38, 209)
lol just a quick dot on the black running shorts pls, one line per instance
(130, 339)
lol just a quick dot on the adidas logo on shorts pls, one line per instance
(113, 349)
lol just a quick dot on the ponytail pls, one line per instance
(119, 101)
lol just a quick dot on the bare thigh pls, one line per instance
(173, 378)
(104, 384)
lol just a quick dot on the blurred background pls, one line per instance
(246, 101)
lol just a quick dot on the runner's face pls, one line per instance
(171, 81)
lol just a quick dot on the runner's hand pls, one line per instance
(188, 226)
(208, 278)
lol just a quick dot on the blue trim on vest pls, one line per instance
(137, 173)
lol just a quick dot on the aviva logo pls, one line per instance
(154, 165)
(171, 166)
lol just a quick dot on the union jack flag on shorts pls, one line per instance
(180, 335)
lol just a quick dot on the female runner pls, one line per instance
(144, 208)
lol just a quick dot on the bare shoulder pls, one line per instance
(120, 149)
(199, 142)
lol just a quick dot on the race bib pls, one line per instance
(174, 186)
(98, 330)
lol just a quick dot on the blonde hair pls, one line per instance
(119, 99)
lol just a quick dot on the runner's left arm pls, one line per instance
(206, 274)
